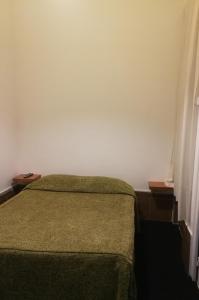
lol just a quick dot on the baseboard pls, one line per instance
(186, 241)
(142, 190)
(7, 194)
(5, 190)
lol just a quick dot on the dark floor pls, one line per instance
(159, 270)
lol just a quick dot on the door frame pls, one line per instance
(194, 220)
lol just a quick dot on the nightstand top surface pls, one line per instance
(160, 186)
(20, 178)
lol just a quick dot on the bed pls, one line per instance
(68, 237)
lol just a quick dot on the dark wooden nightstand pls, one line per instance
(160, 187)
(162, 206)
(19, 182)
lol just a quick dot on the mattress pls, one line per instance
(68, 237)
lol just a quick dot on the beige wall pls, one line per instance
(96, 86)
(7, 110)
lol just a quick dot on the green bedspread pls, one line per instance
(68, 237)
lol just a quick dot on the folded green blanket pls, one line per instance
(83, 184)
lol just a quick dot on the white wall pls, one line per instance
(7, 109)
(96, 86)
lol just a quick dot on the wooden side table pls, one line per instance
(19, 182)
(160, 187)
(162, 207)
